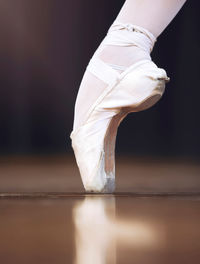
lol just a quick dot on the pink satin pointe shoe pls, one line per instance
(136, 88)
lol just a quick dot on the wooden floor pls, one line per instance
(46, 218)
(100, 229)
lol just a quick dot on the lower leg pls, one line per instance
(153, 15)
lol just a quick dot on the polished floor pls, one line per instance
(46, 218)
(100, 229)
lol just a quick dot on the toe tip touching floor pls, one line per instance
(109, 187)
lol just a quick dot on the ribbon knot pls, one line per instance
(129, 27)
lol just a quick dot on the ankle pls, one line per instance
(123, 56)
(125, 44)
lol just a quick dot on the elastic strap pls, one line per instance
(132, 35)
(119, 34)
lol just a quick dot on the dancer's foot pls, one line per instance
(120, 49)
(120, 78)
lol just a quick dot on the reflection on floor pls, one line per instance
(46, 218)
(100, 229)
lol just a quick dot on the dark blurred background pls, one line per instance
(44, 49)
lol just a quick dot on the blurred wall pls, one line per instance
(44, 49)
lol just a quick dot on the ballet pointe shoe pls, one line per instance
(137, 88)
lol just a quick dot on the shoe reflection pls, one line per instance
(98, 231)
(94, 239)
